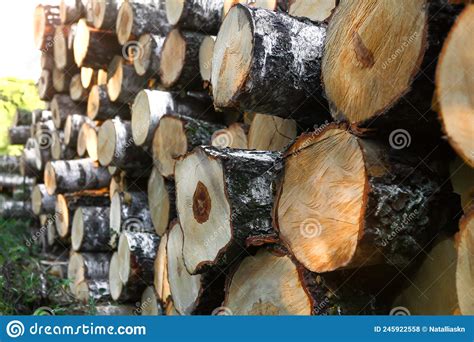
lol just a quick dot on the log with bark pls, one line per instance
(87, 140)
(225, 204)
(454, 89)
(465, 262)
(22, 117)
(233, 136)
(61, 81)
(90, 77)
(99, 106)
(149, 303)
(10, 164)
(118, 291)
(72, 126)
(66, 176)
(196, 15)
(62, 106)
(63, 55)
(47, 60)
(149, 107)
(41, 116)
(90, 230)
(94, 48)
(123, 182)
(370, 43)
(277, 73)
(206, 51)
(123, 83)
(41, 147)
(271, 133)
(319, 10)
(179, 62)
(160, 272)
(59, 151)
(46, 18)
(104, 13)
(136, 18)
(71, 11)
(148, 61)
(45, 85)
(18, 135)
(161, 200)
(192, 294)
(11, 181)
(76, 91)
(344, 201)
(11, 209)
(28, 160)
(41, 201)
(117, 148)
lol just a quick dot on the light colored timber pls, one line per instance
(316, 10)
(271, 133)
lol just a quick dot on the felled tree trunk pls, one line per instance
(271, 133)
(61, 81)
(94, 48)
(321, 10)
(28, 161)
(161, 199)
(11, 181)
(41, 201)
(18, 135)
(22, 117)
(373, 207)
(196, 15)
(99, 106)
(66, 176)
(206, 51)
(192, 294)
(9, 164)
(63, 55)
(47, 60)
(72, 127)
(150, 105)
(257, 84)
(179, 64)
(59, 151)
(465, 260)
(118, 291)
(116, 147)
(90, 230)
(62, 106)
(234, 136)
(46, 18)
(104, 13)
(160, 273)
(177, 134)
(71, 11)
(135, 19)
(11, 209)
(76, 91)
(123, 83)
(232, 187)
(45, 85)
(148, 60)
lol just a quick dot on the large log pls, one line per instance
(46, 18)
(90, 230)
(136, 18)
(374, 206)
(104, 13)
(454, 90)
(161, 200)
(71, 11)
(179, 62)
(41, 201)
(149, 107)
(45, 85)
(18, 135)
(123, 83)
(465, 262)
(148, 60)
(160, 272)
(319, 10)
(271, 133)
(277, 73)
(225, 204)
(94, 48)
(72, 126)
(196, 15)
(368, 44)
(66, 176)
(192, 294)
(62, 106)
(99, 106)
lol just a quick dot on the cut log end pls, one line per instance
(174, 10)
(318, 10)
(115, 78)
(172, 58)
(159, 202)
(465, 264)
(206, 50)
(106, 142)
(36, 200)
(115, 283)
(160, 272)
(63, 219)
(50, 178)
(142, 61)
(124, 23)
(99, 13)
(87, 77)
(81, 42)
(149, 303)
(77, 230)
(93, 102)
(141, 118)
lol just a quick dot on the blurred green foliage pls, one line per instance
(15, 93)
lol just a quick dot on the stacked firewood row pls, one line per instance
(268, 158)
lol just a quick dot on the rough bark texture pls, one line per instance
(104, 109)
(9, 164)
(71, 11)
(131, 83)
(96, 234)
(73, 125)
(47, 203)
(201, 15)
(47, 60)
(18, 135)
(108, 20)
(10, 209)
(22, 117)
(150, 65)
(9, 181)
(77, 92)
(45, 85)
(62, 106)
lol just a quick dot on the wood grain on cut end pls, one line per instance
(271, 133)
(106, 142)
(173, 58)
(159, 202)
(160, 272)
(316, 10)
(124, 22)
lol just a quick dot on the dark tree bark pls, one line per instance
(91, 229)
(10, 164)
(41, 201)
(61, 81)
(104, 13)
(71, 11)
(71, 129)
(22, 117)
(99, 106)
(18, 135)
(45, 85)
(11, 209)
(62, 106)
(123, 83)
(196, 15)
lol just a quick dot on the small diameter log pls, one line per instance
(196, 15)
(87, 273)
(82, 140)
(233, 136)
(160, 272)
(94, 48)
(90, 230)
(137, 252)
(263, 65)
(71, 11)
(59, 151)
(22, 117)
(41, 116)
(150, 105)
(454, 90)
(46, 18)
(148, 60)
(10, 164)
(272, 284)
(89, 134)
(45, 85)
(224, 204)
(206, 51)
(67, 204)
(11, 209)
(179, 64)
(116, 147)
(271, 133)
(63, 55)
(72, 126)
(76, 91)
(129, 211)
(28, 160)
(41, 201)
(123, 182)
(319, 10)
(161, 200)
(61, 81)
(66, 176)
(367, 45)
(373, 207)
(149, 304)
(62, 106)
(104, 13)
(18, 135)
(135, 19)
(192, 294)
(465, 262)
(41, 149)
(89, 77)
(176, 135)
(123, 83)
(47, 60)
(99, 106)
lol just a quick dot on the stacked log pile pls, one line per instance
(269, 158)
